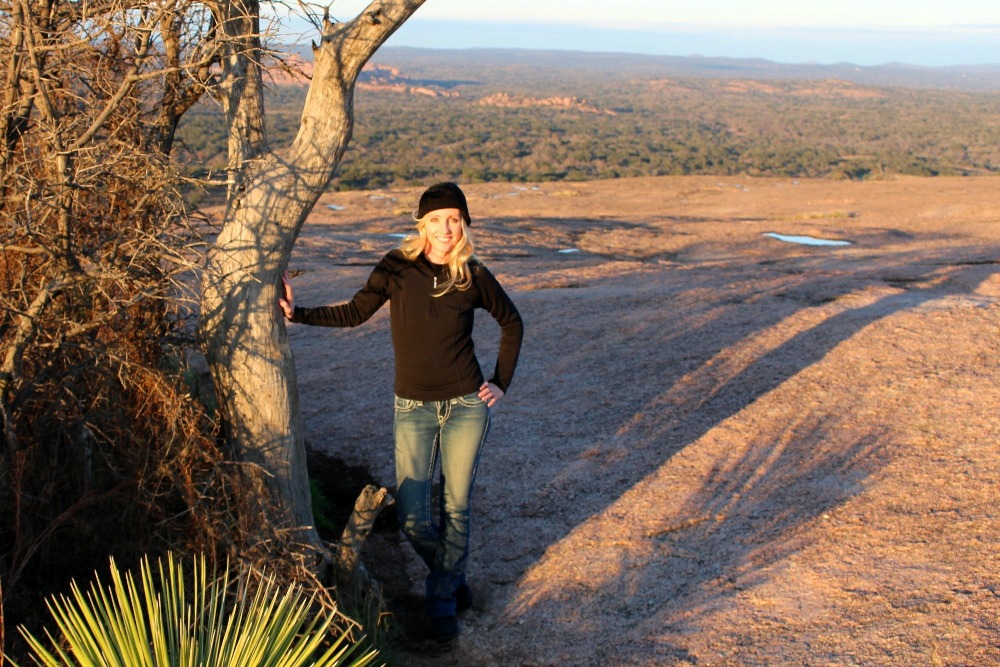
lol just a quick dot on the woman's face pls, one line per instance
(442, 229)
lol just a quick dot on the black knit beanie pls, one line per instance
(443, 195)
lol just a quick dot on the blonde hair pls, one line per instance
(459, 274)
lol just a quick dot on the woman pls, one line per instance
(433, 284)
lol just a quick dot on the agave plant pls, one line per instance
(164, 622)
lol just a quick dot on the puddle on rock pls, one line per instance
(806, 240)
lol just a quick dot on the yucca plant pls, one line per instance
(165, 622)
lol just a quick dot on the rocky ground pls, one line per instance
(720, 448)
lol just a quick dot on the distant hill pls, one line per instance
(450, 67)
(437, 63)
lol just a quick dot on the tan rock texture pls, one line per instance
(720, 448)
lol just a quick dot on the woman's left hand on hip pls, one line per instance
(490, 393)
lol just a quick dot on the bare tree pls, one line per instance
(270, 195)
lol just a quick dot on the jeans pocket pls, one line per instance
(405, 404)
(470, 401)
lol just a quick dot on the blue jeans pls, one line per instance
(454, 430)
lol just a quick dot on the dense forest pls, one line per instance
(523, 116)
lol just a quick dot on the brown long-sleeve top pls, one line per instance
(431, 335)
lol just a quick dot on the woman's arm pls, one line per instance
(498, 304)
(351, 313)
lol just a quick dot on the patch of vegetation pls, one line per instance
(645, 124)
(161, 616)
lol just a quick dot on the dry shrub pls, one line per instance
(109, 438)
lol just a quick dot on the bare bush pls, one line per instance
(103, 447)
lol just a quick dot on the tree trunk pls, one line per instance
(271, 194)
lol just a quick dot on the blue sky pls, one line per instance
(864, 32)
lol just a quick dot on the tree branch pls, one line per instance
(124, 89)
(26, 330)
(328, 110)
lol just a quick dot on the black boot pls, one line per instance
(463, 597)
(444, 628)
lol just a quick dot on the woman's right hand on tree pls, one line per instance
(287, 302)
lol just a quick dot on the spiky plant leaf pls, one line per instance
(163, 620)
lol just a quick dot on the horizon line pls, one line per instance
(693, 56)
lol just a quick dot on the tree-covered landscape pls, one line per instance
(427, 115)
